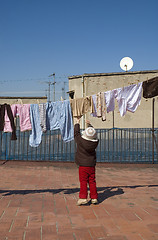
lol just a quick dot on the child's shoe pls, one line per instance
(94, 201)
(82, 201)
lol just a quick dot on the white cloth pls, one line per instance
(129, 98)
(110, 99)
(94, 99)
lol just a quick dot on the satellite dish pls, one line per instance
(126, 63)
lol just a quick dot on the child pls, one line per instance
(85, 157)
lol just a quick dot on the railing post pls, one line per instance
(153, 103)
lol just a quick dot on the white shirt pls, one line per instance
(110, 99)
(129, 98)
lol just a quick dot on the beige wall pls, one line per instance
(94, 83)
(77, 86)
(24, 100)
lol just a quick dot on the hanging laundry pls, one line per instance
(6, 108)
(110, 99)
(7, 123)
(99, 106)
(42, 112)
(103, 106)
(59, 116)
(94, 99)
(23, 111)
(36, 135)
(150, 88)
(80, 106)
(129, 98)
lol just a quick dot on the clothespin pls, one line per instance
(62, 99)
(20, 100)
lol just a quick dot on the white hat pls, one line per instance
(90, 134)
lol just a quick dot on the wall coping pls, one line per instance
(112, 74)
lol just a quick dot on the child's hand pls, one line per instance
(87, 121)
(78, 120)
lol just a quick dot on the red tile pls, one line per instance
(116, 237)
(82, 233)
(97, 232)
(33, 234)
(41, 201)
(153, 227)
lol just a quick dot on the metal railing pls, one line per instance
(128, 145)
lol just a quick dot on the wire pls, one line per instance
(36, 79)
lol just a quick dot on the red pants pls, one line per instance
(87, 176)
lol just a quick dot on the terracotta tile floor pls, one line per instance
(38, 202)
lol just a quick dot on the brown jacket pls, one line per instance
(85, 154)
(150, 88)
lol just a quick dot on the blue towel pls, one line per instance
(59, 116)
(36, 135)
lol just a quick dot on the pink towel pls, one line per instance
(23, 110)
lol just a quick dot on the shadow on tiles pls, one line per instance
(103, 192)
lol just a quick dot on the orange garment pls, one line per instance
(80, 106)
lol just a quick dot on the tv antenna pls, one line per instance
(49, 85)
(126, 63)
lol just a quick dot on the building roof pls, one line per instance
(22, 100)
(111, 74)
(7, 97)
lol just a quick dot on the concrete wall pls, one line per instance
(24, 100)
(89, 84)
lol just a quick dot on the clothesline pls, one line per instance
(99, 104)
(128, 99)
(59, 115)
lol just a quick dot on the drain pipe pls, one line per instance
(83, 95)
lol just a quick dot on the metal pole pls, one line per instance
(64, 90)
(113, 120)
(49, 91)
(83, 95)
(113, 135)
(54, 85)
(153, 113)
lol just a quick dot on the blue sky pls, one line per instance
(70, 37)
